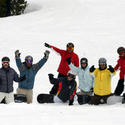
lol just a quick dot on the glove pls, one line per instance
(22, 78)
(68, 60)
(46, 54)
(92, 69)
(70, 102)
(91, 89)
(47, 45)
(17, 54)
(50, 76)
(111, 69)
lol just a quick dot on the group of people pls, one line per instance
(93, 82)
(27, 70)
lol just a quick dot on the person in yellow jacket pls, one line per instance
(102, 82)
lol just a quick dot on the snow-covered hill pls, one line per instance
(96, 27)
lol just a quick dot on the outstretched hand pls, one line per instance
(46, 54)
(50, 76)
(17, 54)
(47, 45)
(92, 69)
(111, 69)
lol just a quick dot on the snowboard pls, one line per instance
(115, 99)
(45, 98)
(83, 99)
(19, 98)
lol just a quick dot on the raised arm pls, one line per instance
(52, 79)
(76, 69)
(39, 65)
(18, 60)
(54, 48)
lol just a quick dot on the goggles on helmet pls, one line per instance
(71, 76)
(121, 53)
(70, 48)
(102, 64)
(5, 62)
(83, 62)
(28, 61)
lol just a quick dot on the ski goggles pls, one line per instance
(70, 48)
(121, 53)
(28, 60)
(5, 63)
(83, 62)
(102, 64)
(71, 76)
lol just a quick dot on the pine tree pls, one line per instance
(12, 7)
(3, 8)
(18, 6)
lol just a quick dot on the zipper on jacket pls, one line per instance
(7, 82)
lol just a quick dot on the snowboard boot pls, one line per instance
(19, 98)
(123, 100)
(83, 99)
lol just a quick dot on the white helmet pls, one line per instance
(72, 73)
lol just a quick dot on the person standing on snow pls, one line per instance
(30, 70)
(63, 67)
(85, 80)
(120, 65)
(102, 82)
(7, 76)
(66, 90)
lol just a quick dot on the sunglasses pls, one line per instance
(5, 63)
(70, 48)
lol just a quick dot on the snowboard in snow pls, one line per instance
(114, 99)
(45, 98)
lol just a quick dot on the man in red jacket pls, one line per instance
(120, 65)
(63, 66)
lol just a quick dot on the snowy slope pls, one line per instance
(96, 27)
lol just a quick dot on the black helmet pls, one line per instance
(29, 59)
(102, 61)
(5, 59)
(84, 60)
(70, 45)
(120, 49)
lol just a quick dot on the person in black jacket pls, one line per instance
(7, 76)
(66, 90)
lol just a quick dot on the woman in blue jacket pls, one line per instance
(30, 70)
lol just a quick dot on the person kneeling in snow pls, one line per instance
(102, 82)
(66, 91)
(85, 80)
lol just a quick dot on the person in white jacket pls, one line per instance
(85, 79)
